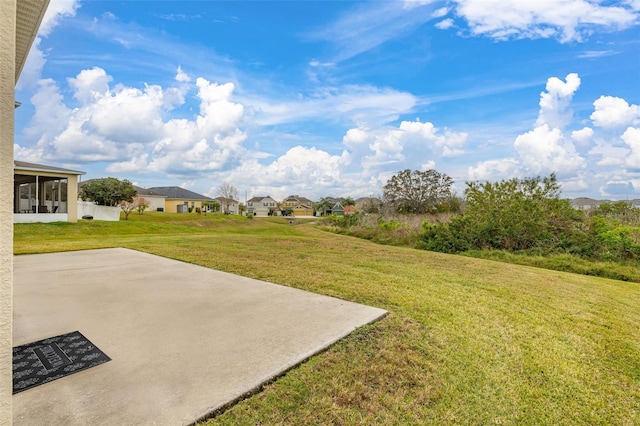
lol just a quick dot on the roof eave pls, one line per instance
(60, 171)
(29, 14)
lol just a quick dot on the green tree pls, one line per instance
(621, 210)
(371, 205)
(417, 192)
(348, 201)
(108, 191)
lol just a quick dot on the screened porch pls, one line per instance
(44, 193)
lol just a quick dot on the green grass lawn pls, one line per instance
(467, 341)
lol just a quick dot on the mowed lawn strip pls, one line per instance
(467, 341)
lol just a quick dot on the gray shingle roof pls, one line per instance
(177, 193)
(144, 191)
(257, 199)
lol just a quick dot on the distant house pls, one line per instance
(262, 206)
(179, 200)
(155, 200)
(586, 204)
(44, 193)
(300, 206)
(349, 209)
(228, 204)
(337, 209)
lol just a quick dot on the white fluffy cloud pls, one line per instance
(370, 157)
(410, 145)
(135, 132)
(554, 102)
(544, 150)
(566, 20)
(131, 129)
(213, 141)
(583, 135)
(445, 24)
(506, 168)
(632, 138)
(310, 172)
(50, 117)
(608, 153)
(90, 85)
(614, 112)
(127, 125)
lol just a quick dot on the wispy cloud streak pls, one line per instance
(370, 25)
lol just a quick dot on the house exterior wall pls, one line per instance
(171, 206)
(154, 201)
(299, 207)
(263, 207)
(233, 205)
(7, 83)
(302, 211)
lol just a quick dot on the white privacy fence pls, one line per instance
(87, 208)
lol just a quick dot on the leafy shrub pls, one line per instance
(613, 240)
(391, 225)
(511, 215)
(346, 221)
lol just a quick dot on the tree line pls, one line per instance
(516, 215)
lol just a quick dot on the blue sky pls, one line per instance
(331, 98)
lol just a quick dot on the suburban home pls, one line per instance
(44, 193)
(585, 204)
(262, 206)
(300, 206)
(230, 205)
(337, 209)
(349, 209)
(155, 200)
(179, 200)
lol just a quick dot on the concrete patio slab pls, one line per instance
(184, 340)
